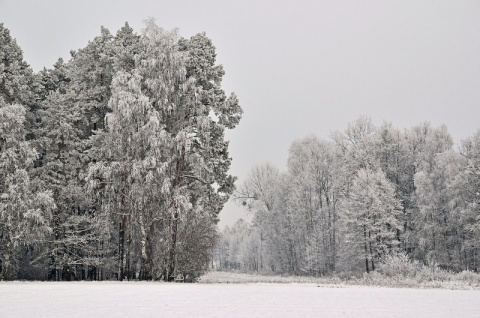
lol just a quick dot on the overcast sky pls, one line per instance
(298, 67)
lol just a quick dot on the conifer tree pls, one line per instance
(16, 77)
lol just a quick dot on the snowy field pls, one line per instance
(148, 299)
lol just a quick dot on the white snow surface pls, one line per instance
(149, 299)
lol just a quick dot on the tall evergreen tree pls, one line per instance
(16, 77)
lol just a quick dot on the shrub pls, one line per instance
(469, 277)
(399, 265)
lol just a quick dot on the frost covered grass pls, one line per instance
(426, 278)
(399, 270)
(157, 299)
(395, 271)
(217, 277)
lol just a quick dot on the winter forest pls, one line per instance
(366, 196)
(114, 166)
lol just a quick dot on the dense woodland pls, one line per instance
(113, 165)
(368, 192)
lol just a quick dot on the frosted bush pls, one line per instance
(399, 265)
(468, 276)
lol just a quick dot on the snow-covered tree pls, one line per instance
(162, 156)
(438, 228)
(396, 160)
(55, 79)
(91, 72)
(77, 226)
(259, 191)
(312, 165)
(24, 209)
(125, 46)
(424, 143)
(467, 207)
(16, 77)
(355, 145)
(370, 214)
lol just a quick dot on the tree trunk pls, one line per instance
(127, 252)
(56, 245)
(366, 249)
(5, 266)
(371, 250)
(174, 225)
(171, 256)
(143, 241)
(121, 247)
(121, 239)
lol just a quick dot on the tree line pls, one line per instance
(344, 204)
(113, 165)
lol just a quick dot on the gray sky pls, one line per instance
(298, 67)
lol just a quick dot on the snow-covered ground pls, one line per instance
(148, 299)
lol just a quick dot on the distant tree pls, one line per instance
(266, 193)
(356, 145)
(370, 214)
(222, 250)
(240, 256)
(424, 143)
(439, 232)
(314, 194)
(467, 187)
(259, 190)
(260, 194)
(397, 161)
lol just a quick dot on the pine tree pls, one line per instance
(74, 103)
(18, 84)
(16, 77)
(125, 46)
